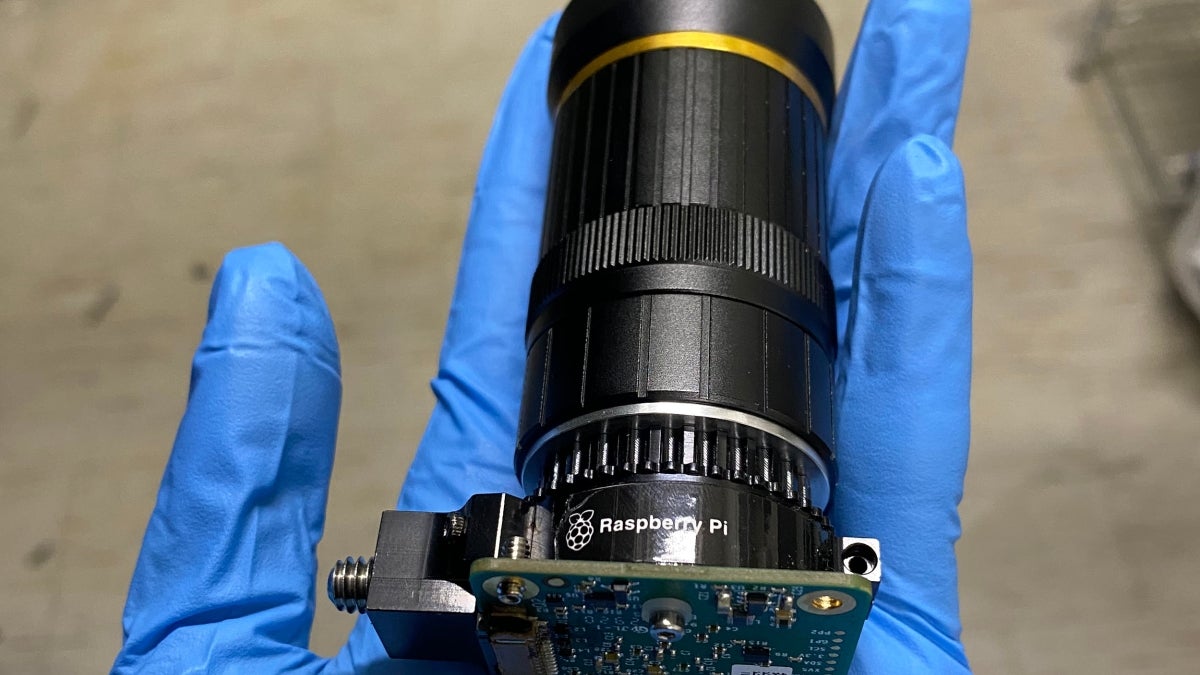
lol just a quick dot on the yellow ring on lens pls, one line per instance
(717, 42)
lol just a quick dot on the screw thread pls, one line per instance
(456, 525)
(516, 547)
(349, 582)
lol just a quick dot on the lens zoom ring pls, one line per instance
(674, 233)
(593, 457)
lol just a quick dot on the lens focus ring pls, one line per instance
(692, 233)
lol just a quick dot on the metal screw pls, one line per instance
(825, 603)
(349, 582)
(666, 626)
(516, 547)
(456, 526)
(511, 591)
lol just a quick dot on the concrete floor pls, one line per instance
(141, 139)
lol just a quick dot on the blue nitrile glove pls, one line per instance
(225, 581)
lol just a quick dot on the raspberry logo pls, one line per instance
(580, 532)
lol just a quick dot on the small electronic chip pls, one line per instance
(756, 602)
(620, 589)
(759, 655)
(600, 600)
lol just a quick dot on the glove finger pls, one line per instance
(905, 79)
(226, 568)
(468, 446)
(904, 386)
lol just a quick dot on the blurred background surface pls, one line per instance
(141, 139)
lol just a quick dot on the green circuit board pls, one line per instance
(590, 618)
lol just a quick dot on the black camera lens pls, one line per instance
(676, 436)
(678, 403)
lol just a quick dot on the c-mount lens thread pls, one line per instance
(681, 327)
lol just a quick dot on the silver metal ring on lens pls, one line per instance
(819, 477)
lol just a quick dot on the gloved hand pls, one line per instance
(225, 580)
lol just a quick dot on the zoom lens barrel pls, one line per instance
(678, 403)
